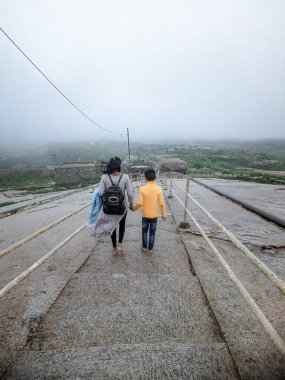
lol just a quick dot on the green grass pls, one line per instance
(36, 183)
(91, 181)
(25, 181)
(236, 161)
(6, 203)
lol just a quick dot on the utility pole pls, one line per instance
(129, 150)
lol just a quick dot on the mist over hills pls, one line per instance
(50, 154)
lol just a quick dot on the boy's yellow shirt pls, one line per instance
(150, 197)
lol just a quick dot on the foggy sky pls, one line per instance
(166, 69)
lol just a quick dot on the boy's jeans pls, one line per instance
(148, 223)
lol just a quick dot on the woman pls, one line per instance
(106, 224)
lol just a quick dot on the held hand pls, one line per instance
(164, 218)
(131, 207)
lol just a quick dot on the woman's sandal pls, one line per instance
(115, 251)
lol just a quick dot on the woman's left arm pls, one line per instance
(129, 190)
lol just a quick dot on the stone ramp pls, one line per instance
(254, 353)
(132, 316)
(170, 256)
(24, 306)
(135, 361)
(96, 310)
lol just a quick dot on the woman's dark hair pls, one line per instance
(113, 165)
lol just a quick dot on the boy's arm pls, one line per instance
(139, 202)
(162, 204)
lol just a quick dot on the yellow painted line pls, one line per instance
(24, 274)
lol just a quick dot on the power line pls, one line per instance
(61, 93)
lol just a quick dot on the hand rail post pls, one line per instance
(186, 197)
(165, 185)
(171, 184)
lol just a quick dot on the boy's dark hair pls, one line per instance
(113, 165)
(150, 175)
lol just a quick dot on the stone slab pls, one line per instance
(164, 317)
(169, 257)
(104, 309)
(270, 198)
(140, 361)
(18, 226)
(248, 227)
(254, 353)
(24, 306)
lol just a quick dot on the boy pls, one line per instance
(149, 197)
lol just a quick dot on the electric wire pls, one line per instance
(66, 98)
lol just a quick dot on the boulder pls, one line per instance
(173, 164)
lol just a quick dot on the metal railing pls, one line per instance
(279, 342)
(20, 243)
(39, 232)
(24, 274)
(272, 276)
(134, 177)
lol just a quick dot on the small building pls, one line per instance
(139, 169)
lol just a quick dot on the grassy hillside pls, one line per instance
(250, 161)
(237, 161)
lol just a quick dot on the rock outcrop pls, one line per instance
(173, 164)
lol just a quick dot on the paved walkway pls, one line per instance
(134, 316)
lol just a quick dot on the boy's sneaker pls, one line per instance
(143, 249)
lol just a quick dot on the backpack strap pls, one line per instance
(111, 179)
(120, 179)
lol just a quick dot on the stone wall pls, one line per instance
(71, 175)
(65, 175)
(17, 171)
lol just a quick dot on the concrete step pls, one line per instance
(138, 361)
(100, 309)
